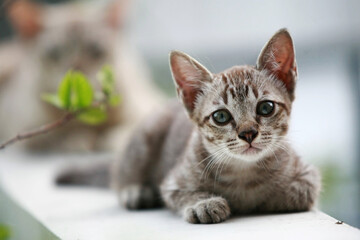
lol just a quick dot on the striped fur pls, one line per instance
(203, 170)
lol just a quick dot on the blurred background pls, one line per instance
(326, 114)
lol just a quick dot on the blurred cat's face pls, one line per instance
(77, 36)
(83, 47)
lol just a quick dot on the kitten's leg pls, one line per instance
(131, 178)
(195, 207)
(136, 176)
(297, 192)
(304, 189)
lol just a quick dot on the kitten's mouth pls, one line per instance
(251, 150)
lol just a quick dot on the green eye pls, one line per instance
(265, 108)
(221, 117)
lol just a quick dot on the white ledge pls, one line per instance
(86, 213)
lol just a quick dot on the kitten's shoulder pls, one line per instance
(173, 126)
(166, 119)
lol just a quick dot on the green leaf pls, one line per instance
(107, 81)
(92, 116)
(82, 91)
(53, 99)
(114, 100)
(64, 90)
(5, 232)
(75, 91)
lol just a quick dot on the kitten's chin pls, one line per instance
(248, 155)
(251, 151)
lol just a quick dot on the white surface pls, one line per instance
(85, 213)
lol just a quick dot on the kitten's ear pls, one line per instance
(117, 12)
(278, 57)
(26, 17)
(189, 76)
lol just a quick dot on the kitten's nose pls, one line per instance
(248, 135)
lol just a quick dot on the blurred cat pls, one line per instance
(84, 37)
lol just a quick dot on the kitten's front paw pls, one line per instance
(213, 210)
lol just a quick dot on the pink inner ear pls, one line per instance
(189, 97)
(279, 58)
(185, 75)
(116, 13)
(284, 57)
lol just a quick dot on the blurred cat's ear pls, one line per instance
(26, 17)
(278, 57)
(189, 76)
(117, 12)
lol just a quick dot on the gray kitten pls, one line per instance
(229, 153)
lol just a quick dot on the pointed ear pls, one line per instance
(189, 76)
(278, 57)
(117, 12)
(26, 17)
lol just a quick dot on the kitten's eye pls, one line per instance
(265, 108)
(222, 117)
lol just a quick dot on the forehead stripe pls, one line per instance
(224, 79)
(255, 91)
(232, 91)
(246, 90)
(224, 94)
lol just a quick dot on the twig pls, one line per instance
(48, 127)
(41, 130)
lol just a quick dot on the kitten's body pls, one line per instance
(206, 170)
(79, 37)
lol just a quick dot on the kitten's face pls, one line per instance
(243, 112)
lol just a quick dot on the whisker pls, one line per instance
(218, 161)
(223, 159)
(227, 161)
(211, 155)
(213, 159)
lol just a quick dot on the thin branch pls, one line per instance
(41, 130)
